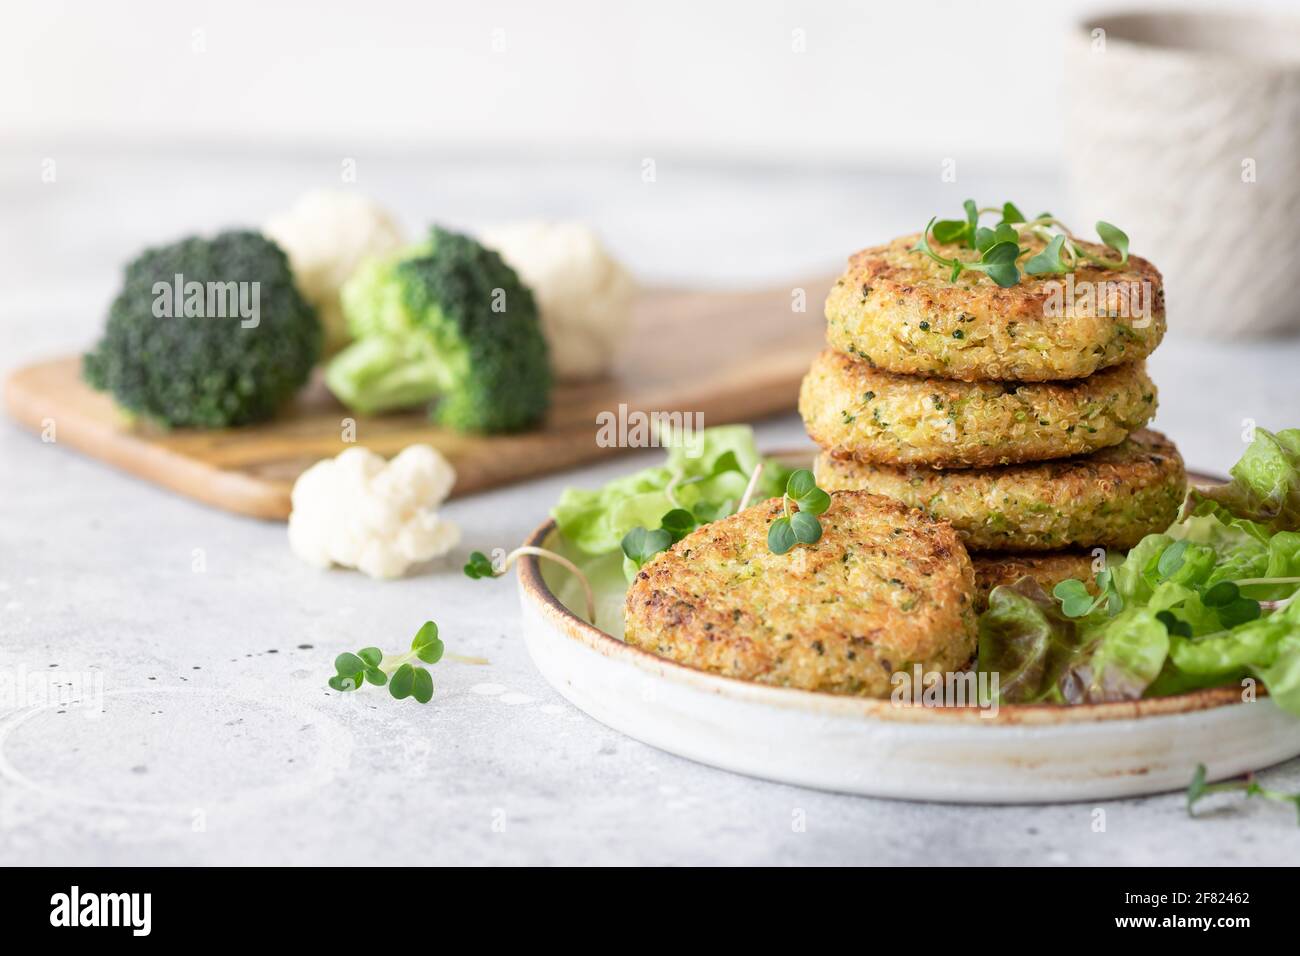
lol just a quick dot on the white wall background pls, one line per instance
(895, 82)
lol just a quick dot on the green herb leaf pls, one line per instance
(422, 685)
(1049, 261)
(348, 663)
(678, 523)
(1239, 611)
(1221, 594)
(802, 527)
(1011, 214)
(1173, 624)
(999, 263)
(802, 489)
(642, 544)
(1198, 789)
(403, 682)
(1074, 597)
(800, 483)
(923, 245)
(949, 231)
(1171, 559)
(479, 566)
(972, 221)
(1115, 238)
(426, 644)
(807, 529)
(985, 239)
(404, 679)
(780, 536)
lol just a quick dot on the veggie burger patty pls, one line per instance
(884, 588)
(856, 411)
(1111, 498)
(897, 309)
(1048, 568)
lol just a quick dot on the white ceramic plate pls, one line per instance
(1021, 754)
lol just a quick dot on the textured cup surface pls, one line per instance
(1184, 130)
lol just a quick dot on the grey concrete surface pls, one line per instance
(218, 741)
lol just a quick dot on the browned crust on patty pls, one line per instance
(897, 310)
(855, 411)
(1048, 568)
(1112, 498)
(884, 588)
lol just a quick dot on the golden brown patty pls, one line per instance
(1049, 569)
(855, 411)
(885, 588)
(1110, 498)
(898, 310)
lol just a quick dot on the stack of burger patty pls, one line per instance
(1019, 422)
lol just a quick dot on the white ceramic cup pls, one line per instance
(1183, 129)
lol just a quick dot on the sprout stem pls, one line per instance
(463, 659)
(749, 488)
(671, 489)
(563, 562)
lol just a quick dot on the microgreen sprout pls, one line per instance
(641, 544)
(1248, 785)
(802, 526)
(481, 566)
(997, 258)
(1000, 250)
(401, 672)
(1076, 601)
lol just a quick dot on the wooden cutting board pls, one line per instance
(732, 356)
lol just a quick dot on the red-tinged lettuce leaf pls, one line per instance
(1027, 642)
(1041, 656)
(1119, 661)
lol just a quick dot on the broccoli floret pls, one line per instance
(223, 352)
(447, 322)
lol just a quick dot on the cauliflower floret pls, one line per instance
(326, 235)
(379, 517)
(584, 295)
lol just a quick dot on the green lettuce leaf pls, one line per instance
(710, 472)
(1265, 486)
(1041, 656)
(1189, 613)
(1120, 658)
(1282, 675)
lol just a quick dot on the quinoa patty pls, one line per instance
(1111, 498)
(1048, 568)
(855, 411)
(898, 310)
(885, 588)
